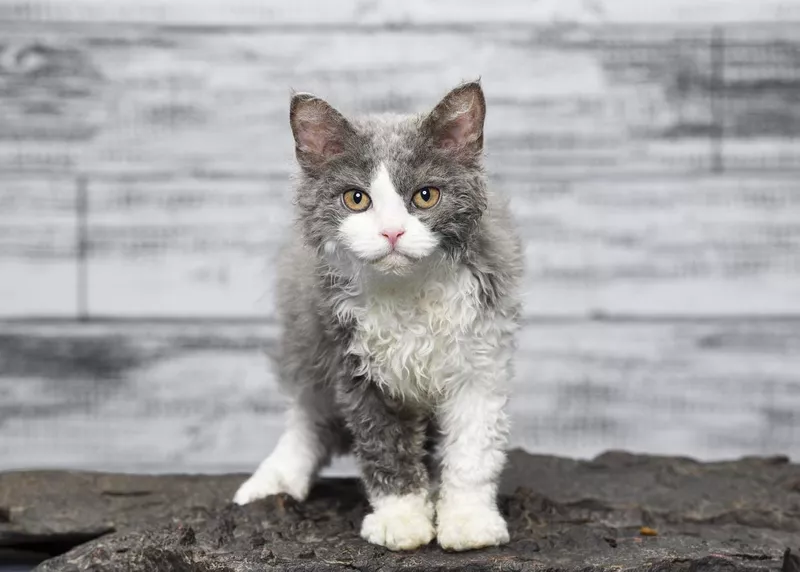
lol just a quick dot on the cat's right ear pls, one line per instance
(320, 132)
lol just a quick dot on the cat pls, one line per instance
(398, 301)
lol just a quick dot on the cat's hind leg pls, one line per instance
(312, 435)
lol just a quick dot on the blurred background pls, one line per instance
(651, 151)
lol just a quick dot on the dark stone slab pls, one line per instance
(616, 512)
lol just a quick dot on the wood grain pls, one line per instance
(159, 99)
(186, 397)
(605, 138)
(677, 246)
(354, 13)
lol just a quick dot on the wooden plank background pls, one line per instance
(606, 137)
(312, 13)
(651, 151)
(182, 397)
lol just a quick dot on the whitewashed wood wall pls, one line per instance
(604, 132)
(651, 149)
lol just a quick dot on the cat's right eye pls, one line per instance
(356, 200)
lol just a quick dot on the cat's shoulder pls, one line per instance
(495, 258)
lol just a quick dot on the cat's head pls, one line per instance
(388, 192)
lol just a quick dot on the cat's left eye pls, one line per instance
(355, 200)
(426, 197)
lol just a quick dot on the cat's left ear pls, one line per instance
(320, 131)
(456, 123)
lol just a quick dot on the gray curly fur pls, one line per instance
(388, 437)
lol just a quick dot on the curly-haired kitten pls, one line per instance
(398, 303)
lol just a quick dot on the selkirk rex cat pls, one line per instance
(398, 303)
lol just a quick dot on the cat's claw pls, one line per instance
(400, 525)
(470, 527)
(267, 481)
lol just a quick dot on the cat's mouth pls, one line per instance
(394, 262)
(391, 256)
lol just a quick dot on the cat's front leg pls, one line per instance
(475, 430)
(389, 443)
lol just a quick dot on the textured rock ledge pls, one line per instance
(563, 515)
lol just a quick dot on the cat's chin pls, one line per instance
(394, 263)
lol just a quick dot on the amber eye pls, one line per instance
(356, 200)
(426, 197)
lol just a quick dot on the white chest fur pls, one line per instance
(415, 339)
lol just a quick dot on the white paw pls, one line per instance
(400, 523)
(269, 480)
(470, 527)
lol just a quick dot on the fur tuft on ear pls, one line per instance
(320, 132)
(456, 123)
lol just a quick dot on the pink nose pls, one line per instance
(393, 235)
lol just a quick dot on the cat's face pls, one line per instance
(390, 192)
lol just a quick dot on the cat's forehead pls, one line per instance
(389, 137)
(383, 125)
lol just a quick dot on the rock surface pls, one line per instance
(618, 511)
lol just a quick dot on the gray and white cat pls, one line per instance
(398, 302)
